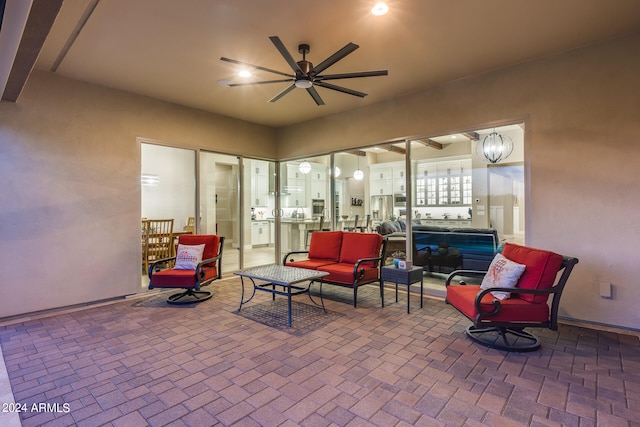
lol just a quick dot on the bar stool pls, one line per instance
(355, 225)
(365, 228)
(320, 228)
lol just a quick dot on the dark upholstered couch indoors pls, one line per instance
(445, 249)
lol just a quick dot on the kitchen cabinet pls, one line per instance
(381, 187)
(446, 183)
(318, 182)
(399, 179)
(260, 233)
(259, 183)
(381, 172)
(295, 187)
(381, 180)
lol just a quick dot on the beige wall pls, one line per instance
(70, 199)
(70, 170)
(582, 114)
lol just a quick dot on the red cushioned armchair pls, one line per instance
(191, 280)
(499, 323)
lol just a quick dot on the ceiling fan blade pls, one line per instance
(285, 53)
(352, 75)
(257, 67)
(283, 93)
(340, 89)
(315, 95)
(350, 47)
(264, 82)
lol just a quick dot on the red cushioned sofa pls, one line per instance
(352, 259)
(500, 323)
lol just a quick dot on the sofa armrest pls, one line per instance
(284, 259)
(467, 273)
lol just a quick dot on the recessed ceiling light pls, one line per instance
(454, 136)
(244, 73)
(379, 9)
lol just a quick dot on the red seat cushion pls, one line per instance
(541, 269)
(325, 245)
(343, 273)
(311, 264)
(513, 309)
(171, 278)
(356, 246)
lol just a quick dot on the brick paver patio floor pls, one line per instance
(139, 362)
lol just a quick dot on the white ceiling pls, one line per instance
(170, 50)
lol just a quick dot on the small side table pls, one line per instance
(405, 277)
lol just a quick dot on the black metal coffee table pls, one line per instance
(289, 279)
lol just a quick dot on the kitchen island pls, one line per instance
(294, 230)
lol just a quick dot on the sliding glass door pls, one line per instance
(219, 204)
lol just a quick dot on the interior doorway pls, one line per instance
(506, 200)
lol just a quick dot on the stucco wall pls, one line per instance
(70, 179)
(70, 171)
(582, 115)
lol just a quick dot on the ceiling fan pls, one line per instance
(307, 76)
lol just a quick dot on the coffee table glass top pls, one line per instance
(281, 274)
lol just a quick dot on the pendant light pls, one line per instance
(304, 167)
(495, 147)
(358, 174)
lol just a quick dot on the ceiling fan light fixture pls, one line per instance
(379, 9)
(303, 83)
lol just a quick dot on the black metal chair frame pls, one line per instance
(191, 295)
(511, 336)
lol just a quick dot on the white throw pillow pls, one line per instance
(503, 273)
(188, 256)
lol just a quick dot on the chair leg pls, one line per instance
(506, 339)
(192, 297)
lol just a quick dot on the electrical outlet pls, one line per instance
(606, 290)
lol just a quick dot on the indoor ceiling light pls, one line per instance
(358, 174)
(379, 9)
(495, 147)
(305, 167)
(244, 73)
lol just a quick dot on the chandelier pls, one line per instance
(495, 147)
